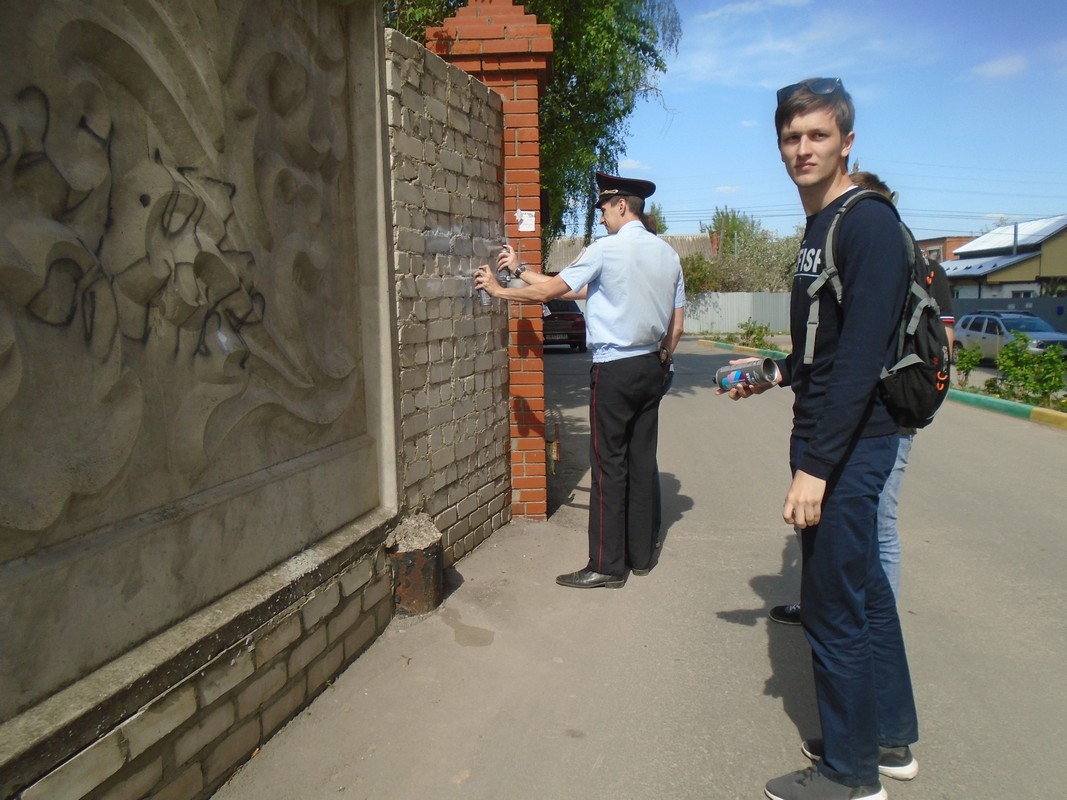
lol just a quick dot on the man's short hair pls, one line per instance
(802, 100)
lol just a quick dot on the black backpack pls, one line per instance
(917, 383)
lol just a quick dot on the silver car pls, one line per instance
(991, 329)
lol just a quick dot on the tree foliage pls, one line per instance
(655, 213)
(607, 56)
(747, 258)
(413, 17)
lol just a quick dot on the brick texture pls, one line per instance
(509, 51)
(185, 743)
(446, 153)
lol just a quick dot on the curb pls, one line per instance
(1042, 416)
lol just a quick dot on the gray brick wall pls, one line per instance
(445, 134)
(184, 743)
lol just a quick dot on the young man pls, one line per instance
(888, 534)
(635, 307)
(842, 448)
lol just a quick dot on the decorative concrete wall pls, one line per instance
(197, 382)
(185, 337)
(445, 141)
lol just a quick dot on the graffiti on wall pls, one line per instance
(178, 300)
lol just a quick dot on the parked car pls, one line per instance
(991, 329)
(564, 324)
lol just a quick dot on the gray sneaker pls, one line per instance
(810, 784)
(893, 762)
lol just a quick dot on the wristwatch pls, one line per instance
(519, 270)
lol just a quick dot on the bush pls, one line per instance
(752, 334)
(967, 358)
(698, 273)
(1032, 378)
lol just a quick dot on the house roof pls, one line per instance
(1031, 234)
(981, 266)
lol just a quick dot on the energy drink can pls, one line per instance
(755, 373)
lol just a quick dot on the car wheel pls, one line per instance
(581, 348)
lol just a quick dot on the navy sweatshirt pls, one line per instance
(837, 397)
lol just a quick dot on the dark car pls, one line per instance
(564, 324)
(991, 329)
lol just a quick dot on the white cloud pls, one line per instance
(1006, 67)
(633, 165)
(749, 7)
(769, 43)
(727, 189)
(749, 123)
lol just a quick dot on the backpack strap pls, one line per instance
(830, 274)
(923, 300)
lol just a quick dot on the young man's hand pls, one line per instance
(803, 501)
(741, 390)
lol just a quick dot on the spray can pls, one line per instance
(759, 373)
(484, 297)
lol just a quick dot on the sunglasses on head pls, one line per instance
(813, 85)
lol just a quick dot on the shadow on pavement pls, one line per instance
(787, 649)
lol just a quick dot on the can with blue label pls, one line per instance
(758, 374)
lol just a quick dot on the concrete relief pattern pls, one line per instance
(178, 298)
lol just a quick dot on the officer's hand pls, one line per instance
(507, 258)
(485, 279)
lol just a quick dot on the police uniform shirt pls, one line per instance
(635, 283)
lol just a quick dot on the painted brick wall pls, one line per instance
(445, 139)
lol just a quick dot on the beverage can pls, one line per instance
(759, 373)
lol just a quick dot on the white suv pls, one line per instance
(991, 329)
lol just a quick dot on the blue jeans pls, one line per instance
(862, 683)
(888, 535)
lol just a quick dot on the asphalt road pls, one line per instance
(678, 686)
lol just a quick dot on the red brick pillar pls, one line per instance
(510, 52)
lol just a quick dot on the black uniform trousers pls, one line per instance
(624, 422)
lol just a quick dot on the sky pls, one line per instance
(961, 107)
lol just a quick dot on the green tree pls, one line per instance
(607, 56)
(655, 214)
(699, 274)
(748, 257)
(413, 17)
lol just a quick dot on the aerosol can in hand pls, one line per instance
(758, 374)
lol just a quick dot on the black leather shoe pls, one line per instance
(641, 572)
(587, 579)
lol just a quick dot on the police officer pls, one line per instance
(635, 313)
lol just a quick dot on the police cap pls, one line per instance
(612, 186)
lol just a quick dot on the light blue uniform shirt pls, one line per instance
(635, 283)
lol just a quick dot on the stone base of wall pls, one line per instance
(173, 719)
